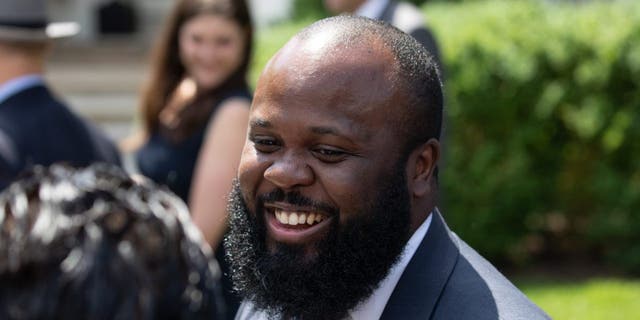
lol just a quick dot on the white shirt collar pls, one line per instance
(18, 84)
(373, 307)
(372, 8)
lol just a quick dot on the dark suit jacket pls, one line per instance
(409, 19)
(41, 130)
(447, 279)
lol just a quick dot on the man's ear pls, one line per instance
(422, 165)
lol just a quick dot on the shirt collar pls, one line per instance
(372, 8)
(373, 307)
(18, 84)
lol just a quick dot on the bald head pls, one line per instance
(360, 73)
(355, 47)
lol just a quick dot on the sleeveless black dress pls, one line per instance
(172, 164)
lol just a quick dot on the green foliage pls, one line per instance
(543, 156)
(416, 2)
(586, 300)
(308, 10)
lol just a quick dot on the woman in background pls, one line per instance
(195, 111)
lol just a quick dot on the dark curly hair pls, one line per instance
(92, 243)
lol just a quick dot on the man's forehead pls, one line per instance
(325, 64)
(329, 76)
(312, 48)
(331, 48)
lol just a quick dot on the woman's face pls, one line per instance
(211, 49)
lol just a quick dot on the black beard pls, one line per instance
(351, 260)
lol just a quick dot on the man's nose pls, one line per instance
(289, 172)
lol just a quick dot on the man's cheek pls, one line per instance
(249, 162)
(248, 178)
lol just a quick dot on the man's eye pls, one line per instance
(266, 145)
(329, 154)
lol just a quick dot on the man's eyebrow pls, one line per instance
(319, 130)
(260, 123)
(333, 131)
(326, 130)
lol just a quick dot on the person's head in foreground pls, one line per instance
(336, 175)
(93, 244)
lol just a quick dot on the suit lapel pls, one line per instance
(420, 286)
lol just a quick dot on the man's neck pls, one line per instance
(19, 60)
(12, 68)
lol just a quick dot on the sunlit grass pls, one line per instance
(589, 299)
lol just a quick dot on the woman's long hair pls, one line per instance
(167, 69)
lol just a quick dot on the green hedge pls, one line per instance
(543, 155)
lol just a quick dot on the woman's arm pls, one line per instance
(216, 168)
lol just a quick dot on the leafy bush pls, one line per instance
(308, 10)
(543, 154)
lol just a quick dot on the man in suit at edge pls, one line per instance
(333, 214)
(404, 16)
(40, 128)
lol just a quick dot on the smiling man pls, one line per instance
(333, 214)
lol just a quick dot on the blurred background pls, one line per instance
(542, 158)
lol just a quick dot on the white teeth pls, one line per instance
(293, 219)
(282, 217)
(296, 218)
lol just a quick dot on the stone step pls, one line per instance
(116, 114)
(104, 106)
(101, 82)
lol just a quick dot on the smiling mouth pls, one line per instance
(291, 224)
(295, 218)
